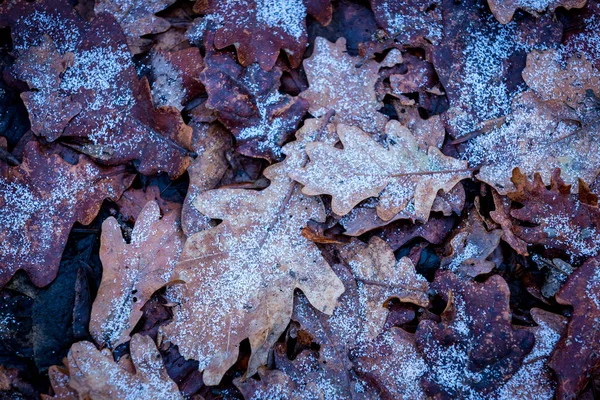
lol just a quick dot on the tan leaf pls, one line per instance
(336, 83)
(241, 275)
(405, 178)
(504, 10)
(94, 374)
(59, 379)
(133, 272)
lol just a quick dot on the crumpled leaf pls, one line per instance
(471, 247)
(536, 138)
(501, 215)
(241, 274)
(474, 349)
(133, 271)
(117, 122)
(574, 359)
(94, 374)
(554, 217)
(336, 83)
(248, 103)
(41, 200)
(479, 62)
(409, 21)
(137, 19)
(403, 177)
(259, 29)
(504, 10)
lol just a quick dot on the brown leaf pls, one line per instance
(241, 274)
(504, 10)
(41, 200)
(133, 271)
(404, 178)
(336, 83)
(410, 20)
(259, 29)
(475, 349)
(133, 201)
(574, 359)
(137, 19)
(94, 374)
(59, 380)
(248, 103)
(434, 231)
(501, 215)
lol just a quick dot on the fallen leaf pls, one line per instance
(409, 21)
(501, 215)
(404, 178)
(504, 10)
(59, 380)
(133, 201)
(41, 200)
(93, 374)
(241, 274)
(248, 103)
(133, 271)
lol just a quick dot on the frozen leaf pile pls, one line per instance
(299, 199)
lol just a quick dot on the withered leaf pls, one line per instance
(410, 20)
(574, 358)
(133, 271)
(95, 375)
(259, 29)
(474, 349)
(504, 10)
(133, 201)
(137, 19)
(404, 178)
(501, 215)
(59, 380)
(241, 274)
(248, 103)
(337, 83)
(41, 200)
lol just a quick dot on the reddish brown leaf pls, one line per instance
(504, 10)
(409, 21)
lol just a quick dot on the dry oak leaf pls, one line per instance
(575, 357)
(95, 375)
(404, 178)
(133, 201)
(336, 83)
(133, 271)
(59, 380)
(41, 200)
(556, 218)
(117, 122)
(537, 137)
(501, 215)
(474, 349)
(241, 275)
(247, 101)
(137, 19)
(259, 29)
(471, 247)
(504, 10)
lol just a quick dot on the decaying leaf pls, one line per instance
(59, 380)
(575, 357)
(471, 247)
(337, 83)
(137, 19)
(504, 10)
(41, 200)
(259, 29)
(501, 215)
(241, 275)
(404, 178)
(554, 217)
(132, 202)
(411, 20)
(248, 103)
(95, 375)
(474, 349)
(133, 271)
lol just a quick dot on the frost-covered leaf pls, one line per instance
(59, 380)
(133, 271)
(137, 19)
(133, 201)
(336, 83)
(247, 101)
(241, 275)
(404, 178)
(504, 10)
(411, 20)
(501, 215)
(574, 359)
(41, 200)
(95, 375)
(259, 29)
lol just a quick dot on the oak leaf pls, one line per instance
(41, 200)
(504, 10)
(241, 274)
(409, 21)
(133, 271)
(59, 380)
(95, 375)
(259, 29)
(404, 178)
